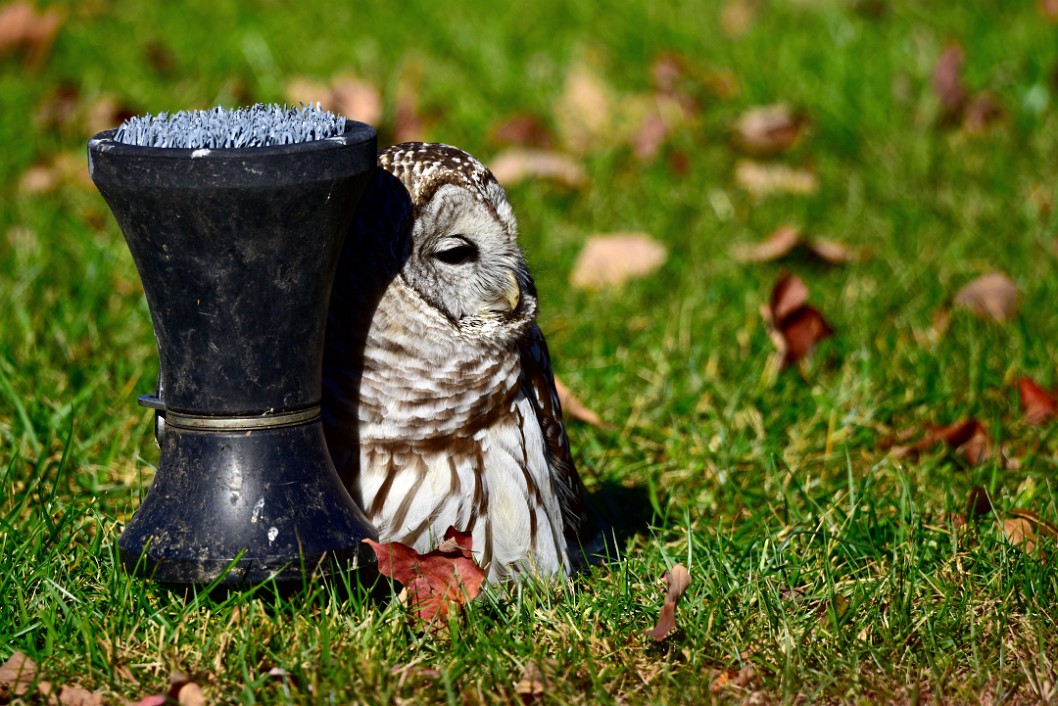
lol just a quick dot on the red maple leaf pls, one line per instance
(437, 582)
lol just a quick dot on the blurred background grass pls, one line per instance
(733, 459)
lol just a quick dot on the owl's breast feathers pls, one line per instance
(422, 384)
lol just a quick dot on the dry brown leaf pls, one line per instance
(678, 579)
(1024, 527)
(346, 94)
(584, 114)
(652, 134)
(736, 16)
(770, 129)
(947, 82)
(1038, 405)
(832, 251)
(967, 437)
(611, 260)
(732, 678)
(981, 113)
(27, 31)
(16, 674)
(761, 180)
(106, 112)
(63, 169)
(776, 246)
(786, 239)
(800, 332)
(794, 326)
(356, 98)
(301, 89)
(74, 695)
(521, 130)
(1021, 532)
(515, 165)
(190, 694)
(58, 110)
(408, 124)
(978, 504)
(534, 682)
(787, 296)
(721, 83)
(993, 296)
(573, 408)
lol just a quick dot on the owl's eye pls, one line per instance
(458, 254)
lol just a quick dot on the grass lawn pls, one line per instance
(825, 567)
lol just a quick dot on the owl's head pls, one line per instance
(461, 250)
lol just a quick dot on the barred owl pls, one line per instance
(439, 402)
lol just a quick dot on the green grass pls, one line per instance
(830, 568)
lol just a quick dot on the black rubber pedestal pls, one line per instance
(237, 251)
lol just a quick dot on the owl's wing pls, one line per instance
(538, 382)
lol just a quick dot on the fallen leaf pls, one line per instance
(1023, 528)
(787, 296)
(721, 83)
(678, 579)
(981, 113)
(160, 57)
(831, 251)
(800, 332)
(58, 110)
(153, 700)
(533, 683)
(1039, 405)
(947, 82)
(27, 31)
(437, 582)
(190, 694)
(736, 16)
(794, 326)
(611, 260)
(65, 168)
(301, 89)
(408, 125)
(106, 112)
(521, 130)
(786, 239)
(978, 504)
(778, 245)
(967, 437)
(345, 94)
(573, 408)
(518, 164)
(651, 136)
(1048, 9)
(764, 179)
(732, 678)
(74, 695)
(770, 129)
(356, 98)
(584, 113)
(992, 296)
(16, 674)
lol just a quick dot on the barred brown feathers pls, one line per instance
(439, 401)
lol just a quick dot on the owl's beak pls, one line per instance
(513, 291)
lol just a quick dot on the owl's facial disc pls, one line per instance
(466, 259)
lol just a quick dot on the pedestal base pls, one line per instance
(268, 495)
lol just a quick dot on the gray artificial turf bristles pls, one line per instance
(257, 126)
